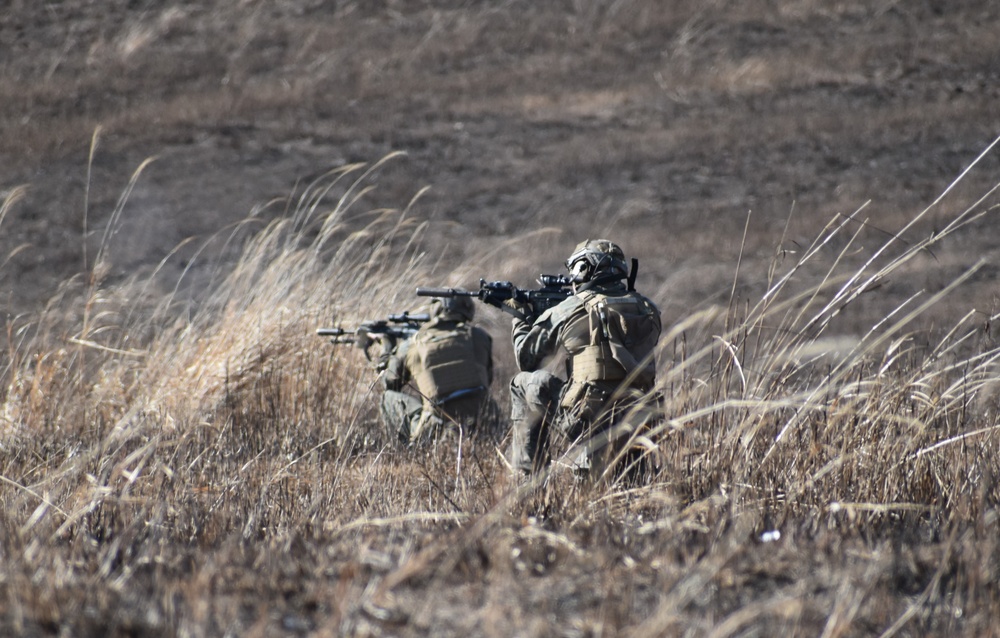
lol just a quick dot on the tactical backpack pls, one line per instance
(444, 366)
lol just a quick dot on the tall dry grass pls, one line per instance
(202, 464)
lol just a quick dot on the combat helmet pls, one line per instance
(596, 258)
(453, 308)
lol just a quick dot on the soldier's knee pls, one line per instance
(536, 387)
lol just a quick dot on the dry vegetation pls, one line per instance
(180, 455)
(209, 469)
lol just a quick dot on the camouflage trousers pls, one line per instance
(411, 419)
(587, 436)
(534, 405)
(401, 414)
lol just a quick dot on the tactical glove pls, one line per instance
(362, 339)
(521, 307)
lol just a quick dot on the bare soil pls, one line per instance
(664, 127)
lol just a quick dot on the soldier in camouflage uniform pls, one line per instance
(609, 333)
(450, 363)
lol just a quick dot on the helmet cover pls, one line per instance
(596, 257)
(454, 308)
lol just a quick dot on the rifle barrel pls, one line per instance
(332, 332)
(446, 292)
(408, 317)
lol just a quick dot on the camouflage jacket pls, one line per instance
(575, 327)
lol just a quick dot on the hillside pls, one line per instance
(586, 117)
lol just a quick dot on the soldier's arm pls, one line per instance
(535, 342)
(482, 344)
(395, 374)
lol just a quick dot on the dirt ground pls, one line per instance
(663, 127)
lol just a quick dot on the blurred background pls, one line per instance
(698, 135)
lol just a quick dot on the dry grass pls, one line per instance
(206, 466)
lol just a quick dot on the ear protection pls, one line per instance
(580, 271)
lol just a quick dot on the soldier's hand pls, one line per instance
(518, 306)
(388, 345)
(362, 339)
(388, 342)
(387, 354)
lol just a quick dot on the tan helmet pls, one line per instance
(454, 308)
(597, 258)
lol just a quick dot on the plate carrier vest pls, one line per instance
(447, 365)
(623, 333)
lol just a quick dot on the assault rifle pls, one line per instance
(555, 288)
(399, 326)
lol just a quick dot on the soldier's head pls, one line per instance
(596, 258)
(453, 308)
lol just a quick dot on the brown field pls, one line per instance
(189, 191)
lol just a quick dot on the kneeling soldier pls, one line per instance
(610, 332)
(450, 362)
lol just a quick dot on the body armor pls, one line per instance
(616, 353)
(445, 365)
